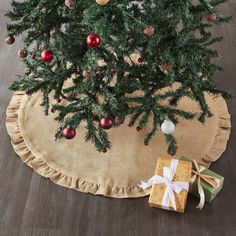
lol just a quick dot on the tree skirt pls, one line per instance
(77, 165)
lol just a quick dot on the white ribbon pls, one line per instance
(171, 186)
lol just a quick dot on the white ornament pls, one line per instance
(168, 127)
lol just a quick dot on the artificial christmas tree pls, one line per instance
(81, 52)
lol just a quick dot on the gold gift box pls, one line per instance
(182, 174)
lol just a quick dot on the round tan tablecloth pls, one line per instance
(76, 164)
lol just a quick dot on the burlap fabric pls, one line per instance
(77, 165)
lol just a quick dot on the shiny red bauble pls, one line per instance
(93, 40)
(106, 123)
(114, 70)
(68, 133)
(46, 55)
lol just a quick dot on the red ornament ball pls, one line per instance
(46, 55)
(113, 70)
(106, 123)
(93, 40)
(69, 133)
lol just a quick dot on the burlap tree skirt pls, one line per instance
(76, 164)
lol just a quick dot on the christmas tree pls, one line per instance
(115, 60)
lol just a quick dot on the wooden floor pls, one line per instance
(32, 205)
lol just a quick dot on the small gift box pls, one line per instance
(170, 184)
(205, 183)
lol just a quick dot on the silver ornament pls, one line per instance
(168, 127)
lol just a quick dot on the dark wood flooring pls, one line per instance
(32, 205)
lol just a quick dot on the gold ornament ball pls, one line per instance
(22, 54)
(10, 40)
(149, 31)
(211, 17)
(102, 2)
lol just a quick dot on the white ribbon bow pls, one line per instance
(171, 186)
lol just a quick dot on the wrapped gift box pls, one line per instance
(181, 177)
(209, 190)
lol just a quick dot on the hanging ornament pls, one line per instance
(10, 40)
(40, 32)
(102, 2)
(70, 4)
(113, 70)
(88, 74)
(106, 123)
(168, 127)
(68, 133)
(165, 68)
(93, 40)
(149, 31)
(46, 55)
(212, 17)
(22, 54)
(56, 30)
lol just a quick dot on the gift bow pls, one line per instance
(171, 186)
(213, 181)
